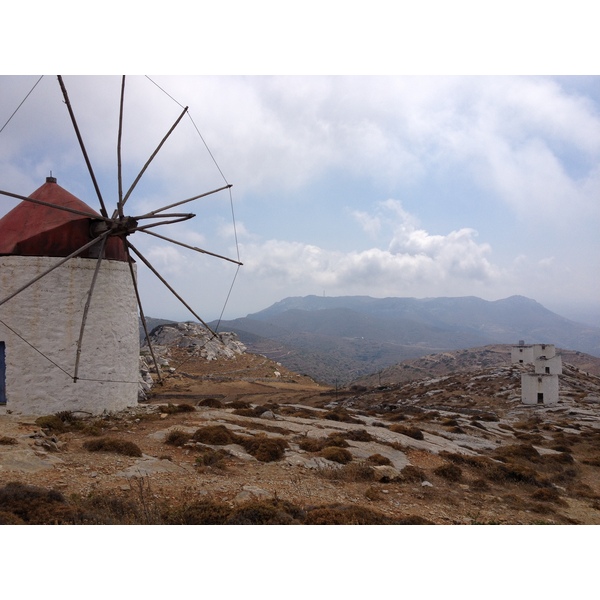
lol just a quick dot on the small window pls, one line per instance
(547, 369)
(540, 398)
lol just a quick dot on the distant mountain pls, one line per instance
(342, 338)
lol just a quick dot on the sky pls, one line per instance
(380, 176)
(417, 186)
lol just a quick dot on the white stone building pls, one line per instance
(40, 326)
(541, 385)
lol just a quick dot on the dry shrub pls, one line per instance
(450, 422)
(341, 415)
(114, 445)
(212, 458)
(358, 435)
(450, 472)
(503, 473)
(413, 520)
(204, 512)
(548, 495)
(480, 485)
(52, 422)
(412, 432)
(413, 474)
(311, 444)
(263, 448)
(35, 506)
(216, 435)
(519, 451)
(379, 459)
(336, 454)
(210, 403)
(237, 404)
(177, 437)
(346, 515)
(373, 494)
(173, 409)
(265, 512)
(352, 471)
(563, 458)
(337, 440)
(7, 441)
(244, 412)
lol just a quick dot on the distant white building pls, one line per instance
(539, 389)
(541, 386)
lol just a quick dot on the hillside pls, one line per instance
(465, 361)
(337, 340)
(243, 440)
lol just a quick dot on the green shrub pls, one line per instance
(114, 445)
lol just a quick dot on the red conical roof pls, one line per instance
(32, 229)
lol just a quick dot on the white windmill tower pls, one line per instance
(69, 300)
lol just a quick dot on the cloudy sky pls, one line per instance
(375, 185)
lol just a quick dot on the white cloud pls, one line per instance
(414, 260)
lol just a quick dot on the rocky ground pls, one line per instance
(242, 433)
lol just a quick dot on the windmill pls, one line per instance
(69, 297)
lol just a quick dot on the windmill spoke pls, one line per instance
(80, 139)
(164, 215)
(120, 173)
(64, 208)
(142, 315)
(162, 237)
(122, 202)
(87, 307)
(147, 263)
(158, 210)
(55, 266)
(144, 227)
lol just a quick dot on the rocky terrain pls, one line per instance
(240, 439)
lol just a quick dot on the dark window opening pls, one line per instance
(540, 398)
(547, 369)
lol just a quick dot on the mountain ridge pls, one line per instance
(340, 338)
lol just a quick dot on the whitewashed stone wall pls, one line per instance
(48, 316)
(521, 355)
(534, 384)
